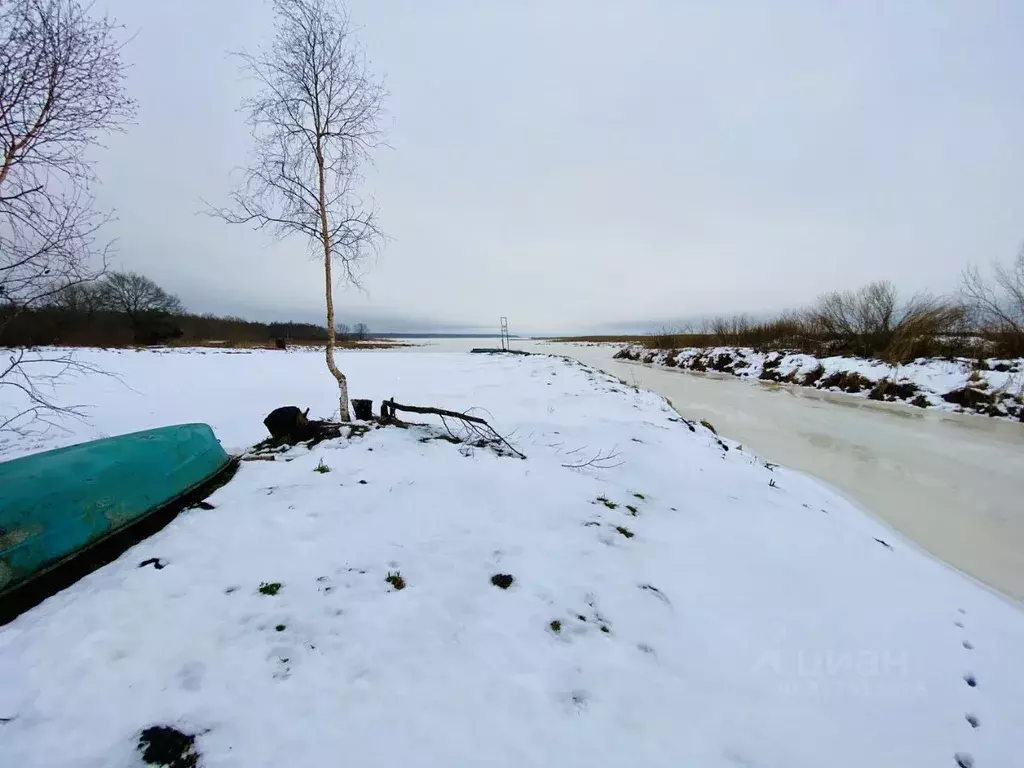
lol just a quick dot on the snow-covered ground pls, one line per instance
(685, 605)
(997, 389)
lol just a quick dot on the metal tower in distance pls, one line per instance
(506, 345)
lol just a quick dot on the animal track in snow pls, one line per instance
(656, 592)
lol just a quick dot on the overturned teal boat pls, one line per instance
(58, 505)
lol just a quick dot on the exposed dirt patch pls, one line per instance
(502, 580)
(969, 397)
(769, 371)
(723, 363)
(812, 377)
(848, 381)
(166, 746)
(891, 391)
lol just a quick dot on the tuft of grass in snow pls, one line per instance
(632, 510)
(607, 502)
(625, 531)
(708, 425)
(165, 746)
(502, 580)
(395, 580)
(640, 496)
(321, 468)
(270, 588)
(556, 626)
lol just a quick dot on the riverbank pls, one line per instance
(681, 599)
(993, 387)
(949, 482)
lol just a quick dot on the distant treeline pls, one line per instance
(124, 309)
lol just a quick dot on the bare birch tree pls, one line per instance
(314, 121)
(61, 88)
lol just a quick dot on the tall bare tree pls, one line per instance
(314, 121)
(136, 295)
(998, 303)
(61, 88)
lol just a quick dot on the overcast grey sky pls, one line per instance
(588, 164)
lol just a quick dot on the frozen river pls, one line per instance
(953, 484)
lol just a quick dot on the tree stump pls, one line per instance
(363, 409)
(287, 422)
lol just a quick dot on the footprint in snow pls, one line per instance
(577, 700)
(191, 675)
(281, 661)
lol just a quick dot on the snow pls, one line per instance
(754, 619)
(932, 377)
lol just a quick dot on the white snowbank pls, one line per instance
(753, 618)
(997, 390)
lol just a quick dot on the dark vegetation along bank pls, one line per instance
(985, 386)
(125, 309)
(985, 319)
(980, 334)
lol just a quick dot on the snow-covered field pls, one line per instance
(997, 389)
(686, 605)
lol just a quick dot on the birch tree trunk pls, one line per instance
(314, 120)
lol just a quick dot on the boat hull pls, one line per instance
(56, 504)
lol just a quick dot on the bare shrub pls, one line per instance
(997, 304)
(874, 322)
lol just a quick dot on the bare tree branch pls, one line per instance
(476, 427)
(61, 88)
(998, 303)
(600, 460)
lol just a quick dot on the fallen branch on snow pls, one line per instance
(474, 425)
(601, 460)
